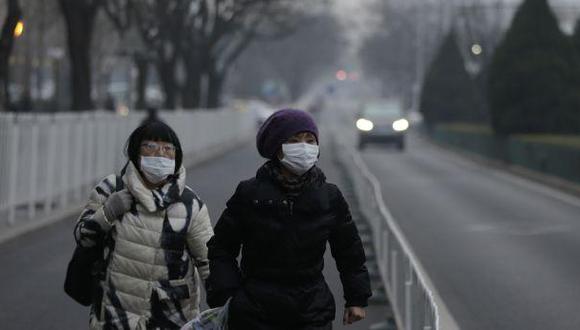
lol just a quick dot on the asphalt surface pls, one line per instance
(502, 252)
(33, 266)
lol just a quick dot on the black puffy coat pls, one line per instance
(280, 284)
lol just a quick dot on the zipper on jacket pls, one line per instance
(288, 208)
(291, 207)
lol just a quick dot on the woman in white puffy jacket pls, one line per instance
(154, 229)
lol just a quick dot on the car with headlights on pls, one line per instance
(382, 122)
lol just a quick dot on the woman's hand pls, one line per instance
(353, 314)
(117, 204)
(88, 233)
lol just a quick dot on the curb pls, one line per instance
(53, 218)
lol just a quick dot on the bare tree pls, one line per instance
(123, 15)
(230, 32)
(390, 54)
(234, 30)
(120, 14)
(80, 18)
(13, 15)
(402, 45)
(297, 60)
(193, 43)
(161, 26)
(109, 62)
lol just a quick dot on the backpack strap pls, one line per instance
(108, 239)
(119, 184)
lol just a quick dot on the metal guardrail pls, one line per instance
(408, 287)
(51, 161)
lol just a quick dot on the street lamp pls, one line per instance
(19, 29)
(476, 49)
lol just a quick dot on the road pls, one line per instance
(502, 252)
(33, 266)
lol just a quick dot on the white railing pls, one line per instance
(51, 161)
(412, 295)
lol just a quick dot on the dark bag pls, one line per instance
(81, 275)
(86, 267)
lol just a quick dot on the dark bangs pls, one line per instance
(153, 131)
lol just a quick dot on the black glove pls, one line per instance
(88, 233)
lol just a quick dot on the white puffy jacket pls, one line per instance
(155, 258)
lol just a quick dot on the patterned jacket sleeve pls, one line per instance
(199, 234)
(92, 215)
(223, 250)
(348, 252)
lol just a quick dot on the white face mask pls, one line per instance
(299, 158)
(157, 169)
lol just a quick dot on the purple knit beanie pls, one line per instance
(279, 127)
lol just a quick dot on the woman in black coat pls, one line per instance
(282, 220)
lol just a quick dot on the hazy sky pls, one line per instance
(357, 16)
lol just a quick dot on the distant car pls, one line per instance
(382, 122)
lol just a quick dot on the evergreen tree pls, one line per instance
(449, 93)
(576, 38)
(534, 79)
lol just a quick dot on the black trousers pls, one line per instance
(260, 325)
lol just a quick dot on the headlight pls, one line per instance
(401, 125)
(364, 125)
